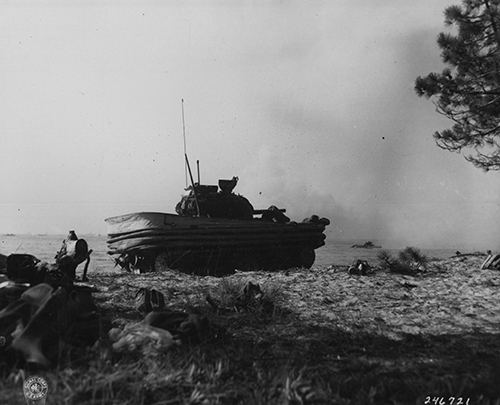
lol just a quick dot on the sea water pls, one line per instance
(342, 253)
(45, 247)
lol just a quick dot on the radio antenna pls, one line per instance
(184, 137)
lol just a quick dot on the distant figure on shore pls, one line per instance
(458, 253)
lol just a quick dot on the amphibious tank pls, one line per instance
(214, 232)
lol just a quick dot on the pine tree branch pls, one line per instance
(467, 92)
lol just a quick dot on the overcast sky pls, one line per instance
(310, 103)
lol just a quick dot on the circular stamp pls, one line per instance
(35, 388)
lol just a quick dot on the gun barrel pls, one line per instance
(192, 185)
(256, 212)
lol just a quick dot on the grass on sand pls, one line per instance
(315, 336)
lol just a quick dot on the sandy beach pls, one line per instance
(330, 337)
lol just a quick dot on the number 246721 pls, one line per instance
(446, 401)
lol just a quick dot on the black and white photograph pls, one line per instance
(250, 202)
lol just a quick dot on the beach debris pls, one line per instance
(366, 245)
(43, 317)
(3, 263)
(492, 261)
(41, 307)
(10, 291)
(184, 326)
(24, 268)
(243, 296)
(251, 292)
(43, 302)
(160, 329)
(360, 268)
(29, 269)
(141, 337)
(408, 284)
(148, 300)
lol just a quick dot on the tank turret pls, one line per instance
(215, 201)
